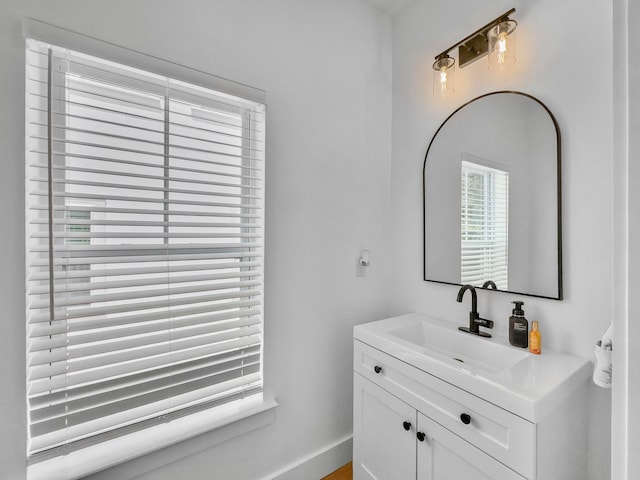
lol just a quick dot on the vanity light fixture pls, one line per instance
(496, 39)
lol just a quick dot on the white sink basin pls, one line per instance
(526, 384)
(466, 349)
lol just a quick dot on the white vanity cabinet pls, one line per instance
(411, 424)
(395, 441)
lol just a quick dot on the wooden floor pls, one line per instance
(343, 473)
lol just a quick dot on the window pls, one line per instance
(144, 248)
(484, 223)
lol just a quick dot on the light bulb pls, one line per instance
(443, 79)
(502, 47)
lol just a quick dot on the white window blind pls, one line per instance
(144, 247)
(484, 225)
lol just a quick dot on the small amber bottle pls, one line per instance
(535, 342)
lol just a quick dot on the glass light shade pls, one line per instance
(502, 45)
(443, 77)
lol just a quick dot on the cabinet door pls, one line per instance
(384, 434)
(442, 455)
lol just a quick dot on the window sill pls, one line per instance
(258, 412)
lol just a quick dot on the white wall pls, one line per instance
(626, 385)
(563, 60)
(633, 307)
(326, 67)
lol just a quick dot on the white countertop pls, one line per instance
(531, 387)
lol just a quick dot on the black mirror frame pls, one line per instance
(558, 189)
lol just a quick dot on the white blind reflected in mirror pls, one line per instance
(484, 228)
(144, 243)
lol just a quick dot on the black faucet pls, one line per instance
(490, 284)
(475, 322)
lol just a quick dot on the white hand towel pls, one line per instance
(603, 369)
(607, 338)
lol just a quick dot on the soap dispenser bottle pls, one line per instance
(518, 327)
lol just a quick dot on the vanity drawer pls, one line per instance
(504, 436)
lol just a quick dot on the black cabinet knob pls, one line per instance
(465, 418)
(421, 436)
(406, 425)
(377, 368)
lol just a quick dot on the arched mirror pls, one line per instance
(492, 197)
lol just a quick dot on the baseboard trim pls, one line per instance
(318, 464)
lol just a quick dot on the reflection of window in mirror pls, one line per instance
(484, 222)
